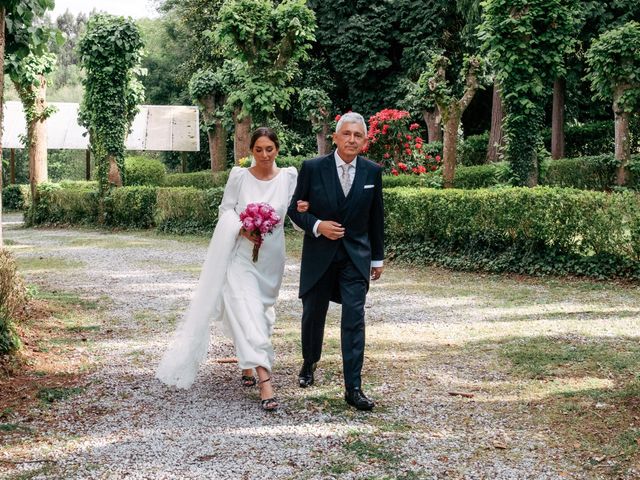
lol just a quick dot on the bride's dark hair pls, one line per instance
(264, 132)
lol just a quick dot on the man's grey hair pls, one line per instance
(352, 117)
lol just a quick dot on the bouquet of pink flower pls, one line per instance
(259, 219)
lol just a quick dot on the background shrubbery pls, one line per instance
(144, 171)
(12, 300)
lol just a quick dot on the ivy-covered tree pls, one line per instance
(30, 80)
(317, 105)
(269, 41)
(452, 94)
(614, 66)
(209, 90)
(20, 37)
(526, 42)
(110, 52)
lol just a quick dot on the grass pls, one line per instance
(57, 394)
(602, 420)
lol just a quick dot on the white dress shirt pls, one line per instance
(352, 174)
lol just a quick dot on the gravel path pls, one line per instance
(125, 424)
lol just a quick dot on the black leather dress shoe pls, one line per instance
(305, 377)
(356, 398)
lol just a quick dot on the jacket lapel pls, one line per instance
(330, 179)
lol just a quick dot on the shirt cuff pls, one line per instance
(315, 228)
(376, 263)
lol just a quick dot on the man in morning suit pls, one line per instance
(343, 249)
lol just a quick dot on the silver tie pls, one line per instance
(345, 179)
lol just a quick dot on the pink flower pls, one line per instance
(386, 155)
(338, 117)
(414, 126)
(438, 158)
(394, 172)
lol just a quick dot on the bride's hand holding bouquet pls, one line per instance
(258, 220)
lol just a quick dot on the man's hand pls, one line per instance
(302, 206)
(376, 272)
(330, 229)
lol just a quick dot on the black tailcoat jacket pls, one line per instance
(361, 213)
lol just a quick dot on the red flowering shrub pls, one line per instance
(396, 144)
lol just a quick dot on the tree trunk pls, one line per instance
(451, 125)
(218, 147)
(183, 162)
(2, 10)
(324, 146)
(216, 134)
(433, 119)
(623, 145)
(557, 119)
(87, 164)
(114, 176)
(12, 166)
(496, 135)
(37, 135)
(242, 137)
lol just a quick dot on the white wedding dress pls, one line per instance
(233, 291)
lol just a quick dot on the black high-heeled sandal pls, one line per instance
(268, 404)
(248, 380)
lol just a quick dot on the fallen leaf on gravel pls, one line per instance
(499, 445)
(205, 458)
(461, 394)
(227, 360)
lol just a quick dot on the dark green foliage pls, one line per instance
(131, 207)
(473, 150)
(533, 231)
(526, 70)
(144, 171)
(14, 196)
(593, 138)
(187, 209)
(12, 299)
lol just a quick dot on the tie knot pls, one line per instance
(345, 167)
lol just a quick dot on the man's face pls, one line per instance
(350, 140)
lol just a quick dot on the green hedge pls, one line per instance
(187, 209)
(131, 207)
(597, 172)
(534, 231)
(63, 206)
(202, 180)
(144, 171)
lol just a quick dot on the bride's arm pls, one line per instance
(231, 191)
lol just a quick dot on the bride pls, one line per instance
(235, 292)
